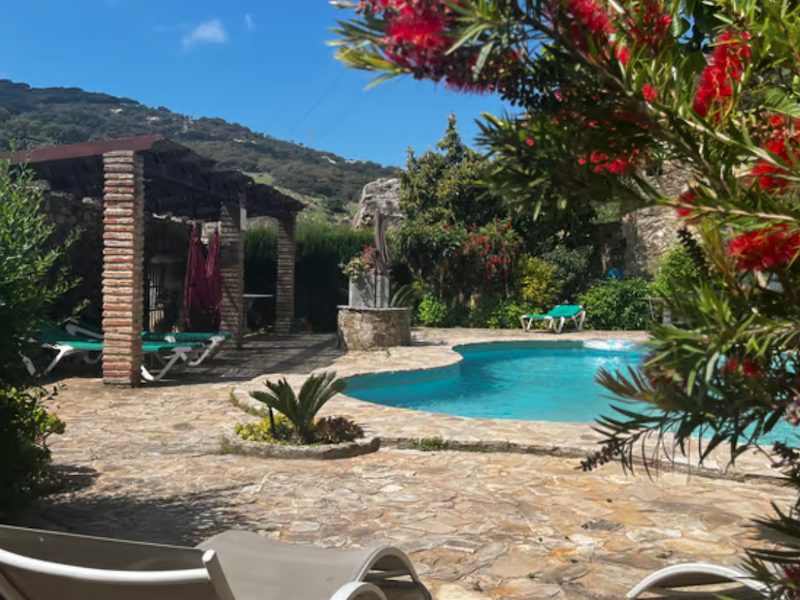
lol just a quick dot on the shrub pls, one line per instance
(264, 432)
(675, 270)
(432, 312)
(335, 430)
(328, 430)
(572, 268)
(30, 282)
(499, 314)
(617, 305)
(536, 281)
(24, 428)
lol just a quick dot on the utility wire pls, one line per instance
(316, 104)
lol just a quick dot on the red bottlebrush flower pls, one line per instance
(765, 250)
(482, 240)
(772, 178)
(623, 55)
(530, 141)
(688, 198)
(651, 26)
(725, 67)
(589, 18)
(649, 92)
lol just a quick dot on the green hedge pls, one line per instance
(320, 285)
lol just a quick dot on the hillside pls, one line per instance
(36, 117)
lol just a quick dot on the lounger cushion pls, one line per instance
(258, 568)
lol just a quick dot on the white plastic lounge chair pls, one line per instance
(236, 565)
(556, 318)
(688, 581)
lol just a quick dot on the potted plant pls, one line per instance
(368, 289)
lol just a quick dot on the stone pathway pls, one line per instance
(143, 464)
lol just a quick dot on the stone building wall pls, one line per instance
(651, 232)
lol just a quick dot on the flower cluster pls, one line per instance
(494, 249)
(689, 200)
(650, 24)
(360, 265)
(768, 249)
(418, 38)
(747, 367)
(724, 68)
(589, 19)
(616, 165)
(782, 140)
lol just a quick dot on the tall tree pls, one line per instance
(444, 185)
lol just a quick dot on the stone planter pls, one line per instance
(236, 445)
(370, 291)
(370, 328)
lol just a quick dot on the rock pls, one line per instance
(379, 196)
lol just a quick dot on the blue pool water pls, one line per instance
(526, 381)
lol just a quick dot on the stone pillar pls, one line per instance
(123, 268)
(231, 259)
(284, 295)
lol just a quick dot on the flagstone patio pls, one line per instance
(144, 464)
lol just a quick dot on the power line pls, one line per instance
(316, 104)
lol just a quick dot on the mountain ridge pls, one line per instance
(328, 183)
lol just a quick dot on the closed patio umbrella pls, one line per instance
(214, 281)
(195, 300)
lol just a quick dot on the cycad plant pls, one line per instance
(301, 409)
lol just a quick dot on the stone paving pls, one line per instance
(144, 464)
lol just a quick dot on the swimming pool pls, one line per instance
(530, 381)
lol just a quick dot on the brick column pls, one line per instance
(284, 295)
(231, 259)
(123, 258)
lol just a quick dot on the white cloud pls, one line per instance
(249, 22)
(210, 32)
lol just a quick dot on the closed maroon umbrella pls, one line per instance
(195, 300)
(214, 281)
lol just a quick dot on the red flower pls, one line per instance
(649, 92)
(748, 367)
(725, 67)
(688, 198)
(765, 250)
(590, 18)
(624, 55)
(772, 178)
(651, 26)
(530, 141)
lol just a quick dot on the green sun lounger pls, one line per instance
(210, 341)
(556, 318)
(91, 350)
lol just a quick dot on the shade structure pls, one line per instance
(214, 281)
(195, 301)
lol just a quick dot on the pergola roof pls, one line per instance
(178, 181)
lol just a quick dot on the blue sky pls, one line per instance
(263, 64)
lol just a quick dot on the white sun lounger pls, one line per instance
(236, 565)
(700, 580)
